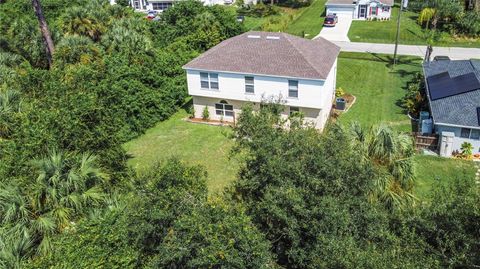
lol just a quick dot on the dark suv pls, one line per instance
(330, 20)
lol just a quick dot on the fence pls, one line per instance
(425, 141)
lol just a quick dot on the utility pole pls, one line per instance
(398, 34)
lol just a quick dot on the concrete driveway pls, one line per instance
(340, 31)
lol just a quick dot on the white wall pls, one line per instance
(457, 140)
(341, 10)
(311, 93)
(311, 115)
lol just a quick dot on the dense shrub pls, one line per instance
(258, 10)
(469, 23)
(415, 99)
(166, 223)
(114, 74)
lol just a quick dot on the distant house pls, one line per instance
(161, 5)
(257, 65)
(453, 89)
(361, 9)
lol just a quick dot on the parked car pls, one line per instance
(151, 14)
(330, 20)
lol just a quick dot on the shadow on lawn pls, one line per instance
(383, 58)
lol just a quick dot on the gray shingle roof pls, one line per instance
(351, 2)
(459, 109)
(275, 54)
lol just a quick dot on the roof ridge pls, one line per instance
(301, 53)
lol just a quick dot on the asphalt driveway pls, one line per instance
(340, 31)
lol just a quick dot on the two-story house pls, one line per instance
(258, 65)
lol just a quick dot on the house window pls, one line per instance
(293, 88)
(224, 109)
(209, 81)
(136, 5)
(294, 110)
(475, 134)
(465, 133)
(374, 11)
(249, 85)
(385, 9)
(161, 5)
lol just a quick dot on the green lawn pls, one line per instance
(192, 142)
(310, 21)
(411, 33)
(377, 88)
(273, 23)
(306, 20)
(431, 170)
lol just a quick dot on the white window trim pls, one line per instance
(292, 97)
(250, 84)
(469, 134)
(209, 81)
(290, 110)
(224, 110)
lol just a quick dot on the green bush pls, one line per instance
(205, 114)
(258, 10)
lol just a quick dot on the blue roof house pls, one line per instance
(453, 90)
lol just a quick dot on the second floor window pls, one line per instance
(161, 5)
(249, 85)
(293, 88)
(209, 81)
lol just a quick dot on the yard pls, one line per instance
(310, 21)
(367, 76)
(306, 20)
(410, 32)
(431, 170)
(377, 88)
(194, 143)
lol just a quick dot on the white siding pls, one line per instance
(457, 140)
(314, 96)
(341, 10)
(311, 93)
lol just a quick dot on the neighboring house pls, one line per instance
(258, 65)
(361, 9)
(161, 5)
(453, 89)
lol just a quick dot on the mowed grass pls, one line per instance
(432, 170)
(377, 87)
(411, 33)
(310, 21)
(194, 143)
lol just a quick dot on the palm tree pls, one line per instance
(64, 190)
(47, 38)
(78, 21)
(392, 154)
(10, 102)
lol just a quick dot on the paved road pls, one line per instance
(453, 52)
(340, 31)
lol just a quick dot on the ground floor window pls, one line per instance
(136, 5)
(470, 133)
(161, 5)
(224, 109)
(475, 134)
(294, 110)
(385, 9)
